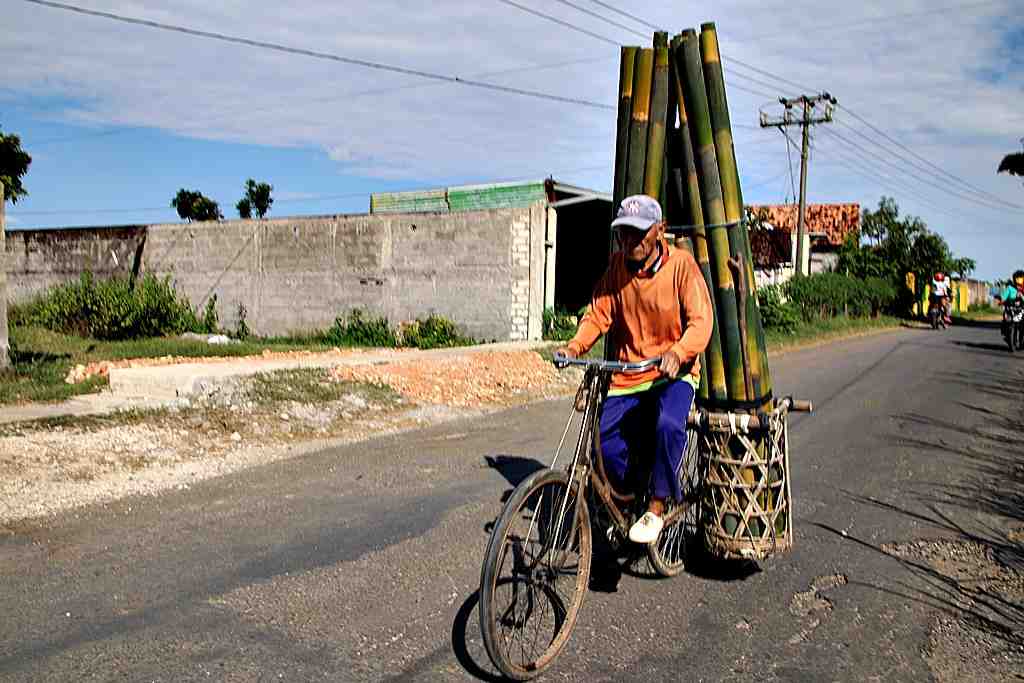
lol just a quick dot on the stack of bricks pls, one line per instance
(834, 221)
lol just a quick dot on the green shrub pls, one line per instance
(776, 312)
(113, 309)
(211, 323)
(242, 330)
(433, 332)
(360, 329)
(829, 295)
(560, 325)
(879, 295)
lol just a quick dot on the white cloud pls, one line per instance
(922, 78)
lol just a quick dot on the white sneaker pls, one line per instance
(646, 529)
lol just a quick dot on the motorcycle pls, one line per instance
(937, 312)
(1013, 324)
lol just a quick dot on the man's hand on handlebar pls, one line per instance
(670, 364)
(565, 352)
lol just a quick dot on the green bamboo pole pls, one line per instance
(655, 164)
(696, 100)
(703, 390)
(642, 76)
(627, 64)
(713, 385)
(636, 144)
(732, 198)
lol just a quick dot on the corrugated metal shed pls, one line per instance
(462, 198)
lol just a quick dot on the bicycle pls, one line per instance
(537, 564)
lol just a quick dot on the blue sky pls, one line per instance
(117, 117)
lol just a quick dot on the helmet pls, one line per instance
(1018, 277)
(939, 276)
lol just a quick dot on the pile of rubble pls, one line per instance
(461, 381)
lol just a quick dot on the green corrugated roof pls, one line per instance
(408, 202)
(463, 198)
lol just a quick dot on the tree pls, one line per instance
(14, 163)
(257, 198)
(896, 246)
(193, 206)
(1012, 164)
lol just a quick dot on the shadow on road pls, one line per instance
(983, 324)
(972, 568)
(468, 651)
(513, 467)
(1001, 348)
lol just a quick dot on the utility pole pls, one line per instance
(809, 116)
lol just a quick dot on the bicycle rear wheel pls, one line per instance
(677, 540)
(534, 575)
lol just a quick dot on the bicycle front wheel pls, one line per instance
(535, 575)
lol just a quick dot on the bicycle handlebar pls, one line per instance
(562, 361)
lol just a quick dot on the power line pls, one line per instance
(929, 163)
(312, 198)
(769, 74)
(897, 186)
(560, 22)
(589, 13)
(625, 14)
(322, 55)
(232, 112)
(605, 39)
(918, 167)
(917, 177)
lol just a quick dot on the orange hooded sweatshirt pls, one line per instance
(646, 313)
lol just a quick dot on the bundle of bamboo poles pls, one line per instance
(674, 143)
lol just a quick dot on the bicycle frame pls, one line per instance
(582, 470)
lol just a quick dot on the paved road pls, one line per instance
(362, 563)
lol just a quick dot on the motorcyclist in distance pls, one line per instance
(1014, 289)
(941, 291)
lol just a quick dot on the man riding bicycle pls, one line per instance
(652, 301)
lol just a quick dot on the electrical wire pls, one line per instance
(923, 159)
(595, 15)
(561, 22)
(897, 185)
(917, 177)
(789, 163)
(625, 14)
(265, 45)
(918, 167)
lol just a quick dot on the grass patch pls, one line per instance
(980, 312)
(823, 330)
(310, 385)
(40, 359)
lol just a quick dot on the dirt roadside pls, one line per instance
(50, 466)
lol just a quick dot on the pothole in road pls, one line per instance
(813, 605)
(977, 634)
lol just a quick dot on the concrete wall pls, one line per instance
(39, 259)
(481, 269)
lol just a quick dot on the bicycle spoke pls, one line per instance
(538, 577)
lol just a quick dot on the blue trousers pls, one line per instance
(636, 426)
